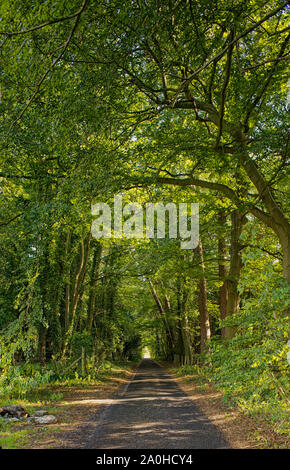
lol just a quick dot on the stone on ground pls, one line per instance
(47, 419)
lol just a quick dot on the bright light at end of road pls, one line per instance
(146, 353)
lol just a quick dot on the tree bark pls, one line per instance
(67, 280)
(93, 284)
(79, 277)
(202, 302)
(276, 219)
(163, 315)
(222, 270)
(233, 300)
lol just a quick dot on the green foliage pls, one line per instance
(35, 381)
(252, 369)
(18, 381)
(81, 340)
(159, 101)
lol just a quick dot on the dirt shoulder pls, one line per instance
(77, 413)
(241, 431)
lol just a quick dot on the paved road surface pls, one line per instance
(155, 413)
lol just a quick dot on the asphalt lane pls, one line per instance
(154, 413)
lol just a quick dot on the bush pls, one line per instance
(251, 370)
(17, 381)
(80, 340)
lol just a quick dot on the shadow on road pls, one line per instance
(155, 413)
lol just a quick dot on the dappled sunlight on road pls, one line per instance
(154, 413)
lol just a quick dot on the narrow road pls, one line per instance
(155, 413)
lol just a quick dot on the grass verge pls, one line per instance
(242, 431)
(74, 402)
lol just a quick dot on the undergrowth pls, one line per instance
(252, 370)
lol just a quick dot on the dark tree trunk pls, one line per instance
(233, 300)
(222, 269)
(202, 301)
(93, 284)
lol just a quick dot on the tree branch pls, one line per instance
(267, 82)
(42, 25)
(44, 76)
(224, 90)
(228, 45)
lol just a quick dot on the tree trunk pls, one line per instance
(188, 359)
(42, 345)
(163, 315)
(233, 300)
(93, 284)
(285, 243)
(83, 259)
(180, 347)
(202, 302)
(222, 270)
(276, 219)
(67, 280)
